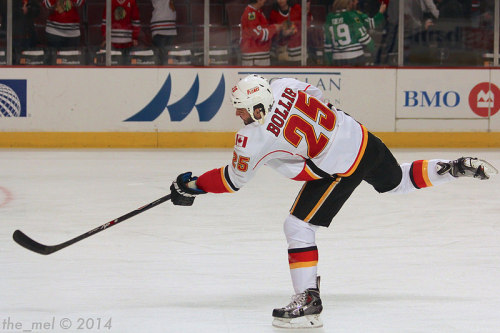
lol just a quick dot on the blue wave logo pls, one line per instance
(183, 107)
(12, 98)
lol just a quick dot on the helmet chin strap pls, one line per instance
(262, 116)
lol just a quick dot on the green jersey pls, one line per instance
(347, 33)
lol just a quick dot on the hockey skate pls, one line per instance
(467, 167)
(302, 312)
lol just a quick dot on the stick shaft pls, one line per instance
(32, 245)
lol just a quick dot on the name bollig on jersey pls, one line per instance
(299, 127)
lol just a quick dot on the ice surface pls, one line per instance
(428, 261)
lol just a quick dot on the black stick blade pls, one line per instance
(28, 243)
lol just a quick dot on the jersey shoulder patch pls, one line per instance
(241, 140)
(251, 139)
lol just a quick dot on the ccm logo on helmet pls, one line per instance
(253, 90)
(234, 88)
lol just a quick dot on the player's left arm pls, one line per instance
(227, 179)
(217, 181)
(186, 187)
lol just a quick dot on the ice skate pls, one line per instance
(467, 167)
(302, 312)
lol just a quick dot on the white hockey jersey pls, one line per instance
(163, 18)
(301, 138)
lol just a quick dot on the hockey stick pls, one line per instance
(28, 243)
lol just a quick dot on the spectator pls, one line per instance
(163, 25)
(473, 11)
(389, 47)
(125, 24)
(63, 25)
(24, 13)
(450, 25)
(289, 48)
(450, 9)
(417, 23)
(346, 31)
(280, 14)
(486, 16)
(257, 35)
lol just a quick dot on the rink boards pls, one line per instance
(190, 107)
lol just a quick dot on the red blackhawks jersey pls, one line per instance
(125, 22)
(294, 15)
(256, 32)
(301, 138)
(64, 19)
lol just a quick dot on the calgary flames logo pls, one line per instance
(252, 90)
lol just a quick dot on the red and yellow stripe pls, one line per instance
(306, 174)
(225, 182)
(304, 257)
(419, 174)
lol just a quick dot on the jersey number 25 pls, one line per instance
(298, 127)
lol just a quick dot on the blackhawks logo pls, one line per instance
(251, 16)
(120, 13)
(63, 6)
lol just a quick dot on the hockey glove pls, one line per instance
(183, 190)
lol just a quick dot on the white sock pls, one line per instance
(421, 174)
(302, 253)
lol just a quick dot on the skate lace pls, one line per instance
(297, 301)
(466, 163)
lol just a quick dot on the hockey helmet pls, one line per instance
(253, 92)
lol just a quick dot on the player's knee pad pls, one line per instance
(298, 233)
(405, 185)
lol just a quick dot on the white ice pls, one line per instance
(428, 261)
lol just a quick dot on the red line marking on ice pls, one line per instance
(8, 196)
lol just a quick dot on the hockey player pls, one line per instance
(290, 129)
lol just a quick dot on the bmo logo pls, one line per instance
(484, 99)
(436, 99)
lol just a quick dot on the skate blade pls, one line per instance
(311, 321)
(488, 168)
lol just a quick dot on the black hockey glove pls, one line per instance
(180, 193)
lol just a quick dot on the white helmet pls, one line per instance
(252, 92)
